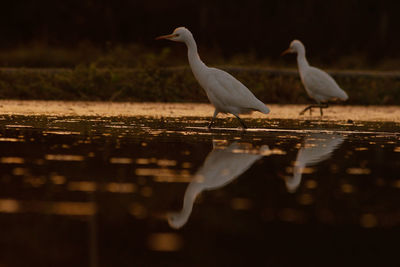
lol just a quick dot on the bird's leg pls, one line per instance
(211, 123)
(321, 106)
(213, 119)
(308, 108)
(241, 121)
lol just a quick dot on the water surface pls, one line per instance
(142, 191)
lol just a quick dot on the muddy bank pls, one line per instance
(333, 114)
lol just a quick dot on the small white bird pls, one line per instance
(227, 94)
(318, 84)
(222, 166)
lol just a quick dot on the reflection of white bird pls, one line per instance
(318, 84)
(221, 166)
(227, 94)
(315, 148)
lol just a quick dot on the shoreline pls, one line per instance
(176, 110)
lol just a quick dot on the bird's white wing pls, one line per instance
(318, 147)
(229, 92)
(224, 165)
(321, 86)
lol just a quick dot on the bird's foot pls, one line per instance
(210, 124)
(304, 111)
(244, 126)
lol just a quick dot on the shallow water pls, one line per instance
(92, 191)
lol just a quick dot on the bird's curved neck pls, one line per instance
(193, 190)
(301, 60)
(194, 60)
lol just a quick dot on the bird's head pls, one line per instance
(179, 35)
(176, 220)
(295, 47)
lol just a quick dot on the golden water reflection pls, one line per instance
(66, 208)
(12, 160)
(165, 242)
(61, 157)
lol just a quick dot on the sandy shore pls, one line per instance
(108, 109)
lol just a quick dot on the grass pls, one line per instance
(179, 85)
(137, 73)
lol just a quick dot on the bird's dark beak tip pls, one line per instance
(285, 52)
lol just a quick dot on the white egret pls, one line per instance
(314, 149)
(318, 84)
(227, 94)
(222, 166)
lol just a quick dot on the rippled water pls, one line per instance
(88, 191)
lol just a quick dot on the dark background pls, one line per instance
(365, 29)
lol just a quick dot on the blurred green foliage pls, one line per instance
(42, 55)
(138, 73)
(172, 84)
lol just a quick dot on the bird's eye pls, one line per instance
(177, 35)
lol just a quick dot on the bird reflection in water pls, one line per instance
(314, 149)
(222, 166)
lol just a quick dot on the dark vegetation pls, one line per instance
(93, 50)
(179, 85)
(331, 29)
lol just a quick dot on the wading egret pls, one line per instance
(222, 166)
(318, 84)
(227, 94)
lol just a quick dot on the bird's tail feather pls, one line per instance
(264, 109)
(344, 96)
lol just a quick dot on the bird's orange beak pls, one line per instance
(168, 36)
(287, 51)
